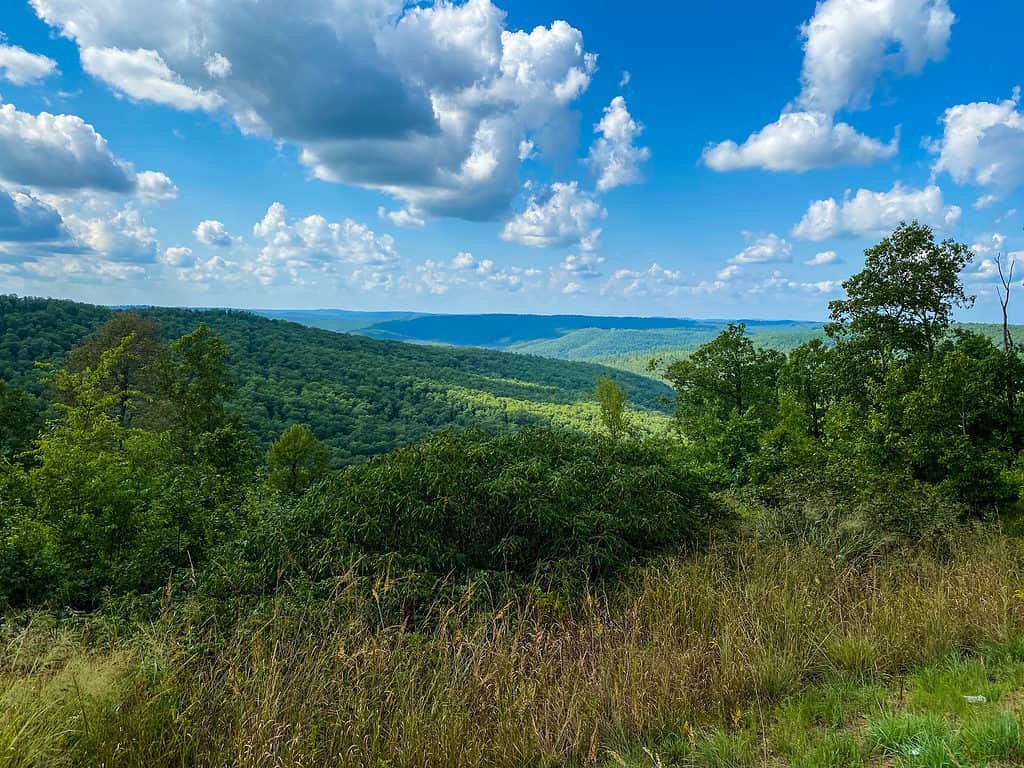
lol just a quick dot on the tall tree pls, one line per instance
(902, 301)
(195, 383)
(726, 396)
(611, 399)
(132, 375)
(809, 378)
(726, 375)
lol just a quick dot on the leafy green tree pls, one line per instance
(133, 377)
(611, 399)
(809, 378)
(19, 417)
(902, 301)
(195, 383)
(945, 417)
(727, 376)
(297, 460)
(94, 483)
(726, 396)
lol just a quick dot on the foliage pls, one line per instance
(611, 399)
(520, 594)
(297, 460)
(360, 396)
(531, 502)
(902, 301)
(133, 376)
(19, 419)
(726, 396)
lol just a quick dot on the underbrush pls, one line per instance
(703, 653)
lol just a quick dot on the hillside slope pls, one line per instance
(567, 337)
(501, 331)
(598, 343)
(362, 396)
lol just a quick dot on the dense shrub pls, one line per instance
(524, 503)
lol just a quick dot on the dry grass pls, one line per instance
(712, 640)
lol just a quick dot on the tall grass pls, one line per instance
(535, 681)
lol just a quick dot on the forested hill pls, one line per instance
(566, 336)
(360, 395)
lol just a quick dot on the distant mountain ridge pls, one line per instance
(535, 334)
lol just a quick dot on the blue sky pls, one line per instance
(692, 160)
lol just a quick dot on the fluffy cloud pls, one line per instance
(983, 144)
(512, 280)
(763, 249)
(800, 141)
(438, 277)
(295, 249)
(614, 157)
(178, 256)
(143, 75)
(656, 280)
(81, 238)
(20, 67)
(70, 204)
(582, 266)
(869, 213)
(850, 44)
(218, 66)
(400, 218)
(212, 232)
(118, 235)
(729, 272)
(80, 269)
(994, 243)
(430, 104)
(778, 282)
(823, 258)
(58, 152)
(560, 216)
(155, 187)
(26, 220)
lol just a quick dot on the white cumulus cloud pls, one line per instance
(154, 186)
(428, 103)
(763, 249)
(401, 218)
(614, 157)
(869, 213)
(559, 216)
(822, 258)
(800, 141)
(58, 152)
(850, 44)
(212, 232)
(983, 144)
(298, 249)
(20, 67)
(143, 75)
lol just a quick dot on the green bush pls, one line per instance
(533, 502)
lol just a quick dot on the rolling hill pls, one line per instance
(362, 396)
(567, 337)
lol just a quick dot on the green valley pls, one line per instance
(361, 396)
